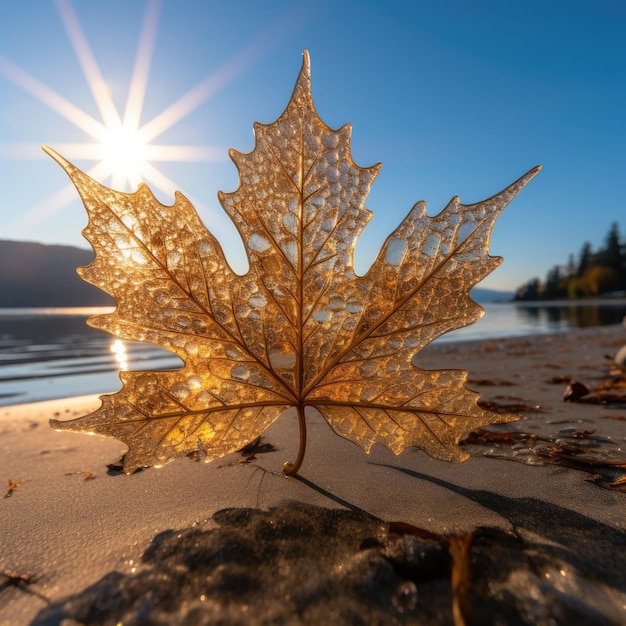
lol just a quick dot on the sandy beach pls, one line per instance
(530, 530)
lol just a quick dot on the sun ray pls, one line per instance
(95, 152)
(52, 99)
(54, 203)
(20, 150)
(84, 151)
(207, 154)
(243, 60)
(143, 61)
(88, 63)
(42, 211)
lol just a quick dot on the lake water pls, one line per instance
(52, 353)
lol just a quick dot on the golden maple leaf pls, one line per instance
(300, 328)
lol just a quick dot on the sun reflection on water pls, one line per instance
(119, 350)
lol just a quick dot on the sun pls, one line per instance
(123, 149)
(120, 145)
(125, 154)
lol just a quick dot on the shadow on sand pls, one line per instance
(303, 564)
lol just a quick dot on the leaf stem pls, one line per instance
(291, 469)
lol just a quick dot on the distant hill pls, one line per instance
(38, 275)
(484, 296)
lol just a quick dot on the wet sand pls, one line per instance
(80, 541)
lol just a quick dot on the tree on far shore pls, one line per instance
(585, 259)
(599, 273)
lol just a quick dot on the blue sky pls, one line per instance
(454, 98)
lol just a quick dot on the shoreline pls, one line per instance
(427, 358)
(97, 309)
(592, 301)
(90, 380)
(70, 522)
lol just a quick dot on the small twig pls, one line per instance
(461, 579)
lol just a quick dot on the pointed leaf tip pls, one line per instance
(305, 69)
(533, 171)
(526, 178)
(64, 163)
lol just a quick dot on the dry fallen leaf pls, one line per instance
(300, 328)
(13, 485)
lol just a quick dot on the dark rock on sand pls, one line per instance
(303, 564)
